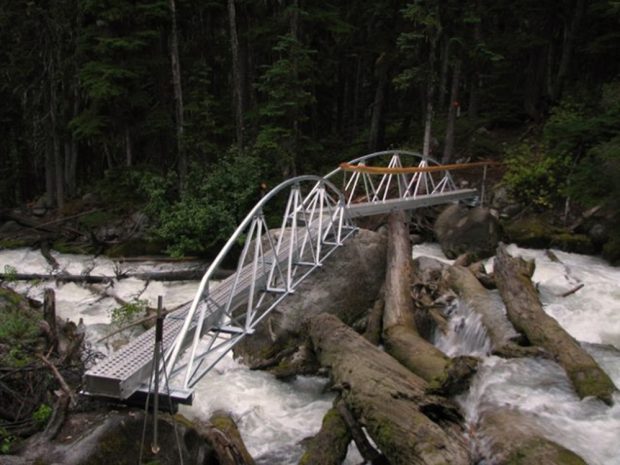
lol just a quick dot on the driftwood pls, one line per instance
(374, 320)
(509, 439)
(329, 446)
(402, 339)
(527, 315)
(179, 275)
(366, 450)
(409, 426)
(224, 437)
(479, 300)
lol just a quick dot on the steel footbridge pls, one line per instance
(315, 218)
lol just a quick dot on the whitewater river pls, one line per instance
(274, 416)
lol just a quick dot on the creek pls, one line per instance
(274, 416)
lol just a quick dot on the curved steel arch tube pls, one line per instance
(318, 200)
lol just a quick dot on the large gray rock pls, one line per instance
(346, 286)
(99, 438)
(459, 230)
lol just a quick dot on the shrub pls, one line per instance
(535, 176)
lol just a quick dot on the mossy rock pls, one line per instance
(530, 231)
(578, 243)
(136, 247)
(66, 247)
(535, 232)
(97, 219)
(611, 251)
(16, 243)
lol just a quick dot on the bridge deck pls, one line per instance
(127, 370)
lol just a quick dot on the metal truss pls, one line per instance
(394, 183)
(271, 265)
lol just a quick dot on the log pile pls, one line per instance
(394, 393)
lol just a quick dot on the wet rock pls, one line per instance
(10, 227)
(346, 285)
(115, 437)
(459, 230)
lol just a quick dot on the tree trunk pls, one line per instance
(375, 139)
(237, 73)
(178, 96)
(443, 77)
(448, 147)
(527, 315)
(329, 446)
(58, 158)
(128, 149)
(568, 44)
(50, 177)
(430, 90)
(479, 300)
(374, 320)
(400, 335)
(408, 426)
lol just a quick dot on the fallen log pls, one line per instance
(177, 275)
(509, 439)
(527, 315)
(409, 426)
(365, 448)
(401, 338)
(329, 446)
(479, 300)
(375, 317)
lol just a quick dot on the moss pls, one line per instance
(611, 251)
(136, 247)
(592, 381)
(543, 451)
(97, 219)
(15, 243)
(534, 231)
(63, 246)
(579, 243)
(531, 231)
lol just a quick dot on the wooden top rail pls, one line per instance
(414, 169)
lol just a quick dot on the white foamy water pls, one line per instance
(539, 388)
(273, 416)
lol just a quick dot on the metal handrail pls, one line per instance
(174, 354)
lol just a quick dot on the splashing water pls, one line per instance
(540, 389)
(273, 416)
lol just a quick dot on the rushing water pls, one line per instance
(539, 388)
(274, 416)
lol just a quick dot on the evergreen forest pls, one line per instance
(191, 107)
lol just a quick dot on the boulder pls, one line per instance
(459, 230)
(99, 438)
(346, 285)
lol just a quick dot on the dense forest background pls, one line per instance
(194, 104)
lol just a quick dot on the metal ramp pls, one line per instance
(316, 221)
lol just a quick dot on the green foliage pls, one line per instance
(6, 441)
(590, 132)
(42, 415)
(535, 176)
(129, 312)
(285, 87)
(10, 273)
(217, 198)
(18, 331)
